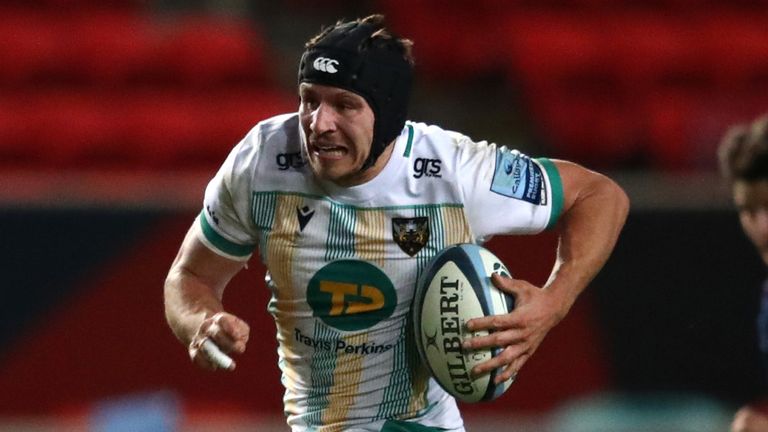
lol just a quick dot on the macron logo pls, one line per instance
(325, 64)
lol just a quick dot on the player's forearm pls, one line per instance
(188, 302)
(589, 231)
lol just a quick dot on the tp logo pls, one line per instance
(351, 295)
(325, 64)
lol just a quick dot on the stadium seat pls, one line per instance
(178, 130)
(685, 127)
(76, 129)
(563, 65)
(31, 46)
(593, 129)
(116, 48)
(206, 51)
(738, 47)
(14, 146)
(451, 40)
(153, 129)
(557, 49)
(113, 48)
(653, 49)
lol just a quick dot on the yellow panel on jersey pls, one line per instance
(346, 383)
(280, 250)
(371, 230)
(455, 226)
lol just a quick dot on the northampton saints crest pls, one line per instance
(411, 234)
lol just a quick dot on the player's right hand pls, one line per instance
(227, 331)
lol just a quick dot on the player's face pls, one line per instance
(338, 125)
(751, 199)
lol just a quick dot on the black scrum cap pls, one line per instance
(376, 69)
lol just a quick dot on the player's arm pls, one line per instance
(594, 211)
(193, 308)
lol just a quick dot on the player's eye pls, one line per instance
(309, 103)
(347, 104)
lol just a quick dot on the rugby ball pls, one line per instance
(454, 288)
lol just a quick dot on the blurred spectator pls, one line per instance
(744, 164)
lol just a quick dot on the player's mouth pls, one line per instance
(327, 150)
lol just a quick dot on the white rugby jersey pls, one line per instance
(343, 262)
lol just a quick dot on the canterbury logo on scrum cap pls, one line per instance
(325, 64)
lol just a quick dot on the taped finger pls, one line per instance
(216, 355)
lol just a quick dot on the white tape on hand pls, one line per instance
(216, 355)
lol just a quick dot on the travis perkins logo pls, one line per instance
(340, 345)
(449, 338)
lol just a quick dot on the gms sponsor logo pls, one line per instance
(518, 176)
(325, 64)
(290, 160)
(340, 345)
(426, 167)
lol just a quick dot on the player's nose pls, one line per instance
(323, 119)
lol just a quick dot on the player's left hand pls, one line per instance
(520, 332)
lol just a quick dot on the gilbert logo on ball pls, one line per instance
(454, 288)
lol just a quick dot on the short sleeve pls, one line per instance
(508, 192)
(226, 224)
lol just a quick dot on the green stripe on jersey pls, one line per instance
(436, 241)
(340, 242)
(557, 190)
(221, 243)
(407, 152)
(263, 209)
(323, 365)
(397, 395)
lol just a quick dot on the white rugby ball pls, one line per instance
(454, 288)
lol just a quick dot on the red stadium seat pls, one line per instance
(31, 46)
(113, 48)
(202, 128)
(94, 47)
(451, 40)
(592, 129)
(139, 129)
(81, 5)
(685, 128)
(557, 49)
(76, 129)
(565, 70)
(15, 148)
(105, 47)
(738, 47)
(205, 50)
(653, 49)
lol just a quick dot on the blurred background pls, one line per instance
(114, 114)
